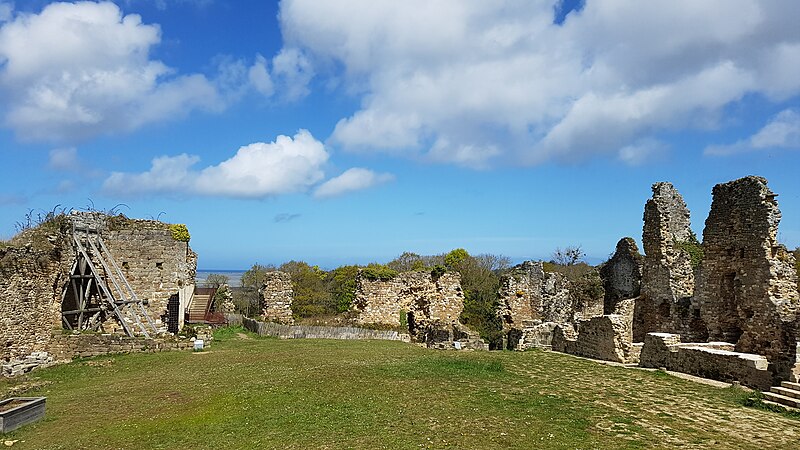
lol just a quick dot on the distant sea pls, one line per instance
(234, 276)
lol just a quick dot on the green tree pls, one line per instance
(311, 296)
(246, 297)
(407, 262)
(453, 259)
(480, 281)
(341, 284)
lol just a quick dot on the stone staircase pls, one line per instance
(787, 394)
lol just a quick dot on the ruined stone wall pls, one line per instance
(426, 303)
(33, 270)
(528, 295)
(747, 287)
(715, 360)
(155, 264)
(668, 283)
(621, 275)
(277, 294)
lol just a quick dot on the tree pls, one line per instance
(246, 297)
(453, 259)
(407, 262)
(215, 280)
(311, 297)
(480, 281)
(341, 284)
(569, 256)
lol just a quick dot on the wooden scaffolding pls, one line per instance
(98, 289)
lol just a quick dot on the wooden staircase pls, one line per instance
(201, 305)
(787, 394)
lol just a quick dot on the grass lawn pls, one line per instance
(248, 392)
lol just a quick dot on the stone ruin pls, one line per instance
(747, 285)
(668, 281)
(36, 268)
(532, 302)
(732, 316)
(276, 295)
(429, 305)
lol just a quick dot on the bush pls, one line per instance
(179, 232)
(341, 283)
(693, 248)
(378, 272)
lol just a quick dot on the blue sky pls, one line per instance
(349, 131)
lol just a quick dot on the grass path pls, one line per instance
(251, 392)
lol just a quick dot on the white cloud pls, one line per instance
(474, 82)
(77, 70)
(289, 164)
(259, 77)
(63, 159)
(782, 132)
(351, 180)
(293, 70)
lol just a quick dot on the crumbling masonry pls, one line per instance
(747, 284)
(35, 270)
(429, 305)
(276, 294)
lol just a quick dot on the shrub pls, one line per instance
(378, 272)
(179, 232)
(693, 248)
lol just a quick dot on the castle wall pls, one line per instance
(747, 287)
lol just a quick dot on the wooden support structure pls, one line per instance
(98, 289)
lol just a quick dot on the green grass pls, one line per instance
(247, 392)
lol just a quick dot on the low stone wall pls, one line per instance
(715, 360)
(317, 332)
(65, 347)
(537, 335)
(606, 337)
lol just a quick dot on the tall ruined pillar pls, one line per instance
(747, 285)
(667, 276)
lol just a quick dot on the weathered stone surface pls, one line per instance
(155, 264)
(277, 294)
(35, 268)
(429, 305)
(528, 293)
(668, 281)
(536, 335)
(714, 360)
(622, 274)
(747, 287)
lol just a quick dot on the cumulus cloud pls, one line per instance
(76, 70)
(351, 180)
(289, 164)
(782, 132)
(472, 83)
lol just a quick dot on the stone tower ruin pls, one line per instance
(747, 284)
